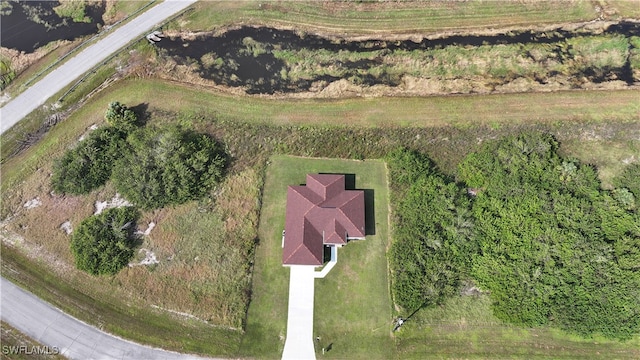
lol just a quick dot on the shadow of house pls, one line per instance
(369, 212)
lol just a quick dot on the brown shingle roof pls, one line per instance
(322, 212)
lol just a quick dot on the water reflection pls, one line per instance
(246, 57)
(28, 25)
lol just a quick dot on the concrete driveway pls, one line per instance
(74, 338)
(299, 343)
(38, 93)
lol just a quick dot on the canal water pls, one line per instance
(260, 72)
(28, 25)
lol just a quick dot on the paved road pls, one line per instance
(299, 343)
(74, 339)
(38, 93)
(24, 311)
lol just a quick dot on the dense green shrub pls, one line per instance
(433, 232)
(539, 233)
(406, 166)
(629, 179)
(103, 244)
(554, 248)
(89, 165)
(168, 166)
(121, 117)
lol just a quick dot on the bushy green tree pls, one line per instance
(104, 243)
(168, 166)
(629, 179)
(121, 117)
(89, 165)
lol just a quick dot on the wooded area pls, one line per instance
(534, 229)
(152, 167)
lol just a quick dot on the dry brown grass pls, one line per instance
(41, 224)
(202, 248)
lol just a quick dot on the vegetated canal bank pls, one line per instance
(263, 60)
(27, 25)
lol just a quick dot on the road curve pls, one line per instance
(38, 93)
(74, 338)
(24, 311)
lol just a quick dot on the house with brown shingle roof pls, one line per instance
(321, 214)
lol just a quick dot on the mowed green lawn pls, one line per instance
(459, 110)
(464, 327)
(375, 17)
(353, 310)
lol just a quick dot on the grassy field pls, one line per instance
(500, 111)
(202, 248)
(463, 110)
(394, 17)
(199, 284)
(262, 132)
(464, 327)
(353, 308)
(200, 280)
(108, 310)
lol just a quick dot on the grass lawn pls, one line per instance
(464, 327)
(390, 17)
(353, 309)
(462, 110)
